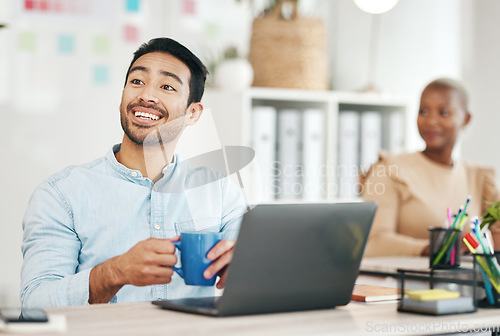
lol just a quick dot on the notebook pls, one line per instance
(372, 293)
(290, 257)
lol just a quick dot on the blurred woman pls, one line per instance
(414, 190)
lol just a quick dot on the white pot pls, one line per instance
(234, 74)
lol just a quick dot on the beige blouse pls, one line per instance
(413, 193)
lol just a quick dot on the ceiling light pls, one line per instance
(375, 6)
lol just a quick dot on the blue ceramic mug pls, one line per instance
(194, 247)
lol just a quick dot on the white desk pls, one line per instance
(389, 265)
(382, 271)
(354, 319)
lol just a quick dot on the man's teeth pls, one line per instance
(146, 115)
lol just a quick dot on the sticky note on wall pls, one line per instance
(26, 41)
(189, 7)
(132, 5)
(44, 5)
(130, 33)
(101, 74)
(66, 44)
(101, 44)
(29, 4)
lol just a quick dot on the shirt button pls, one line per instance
(157, 227)
(134, 174)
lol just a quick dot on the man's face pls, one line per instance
(155, 98)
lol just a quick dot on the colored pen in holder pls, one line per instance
(445, 247)
(488, 269)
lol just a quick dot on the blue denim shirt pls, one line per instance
(87, 214)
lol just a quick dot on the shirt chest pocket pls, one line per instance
(211, 224)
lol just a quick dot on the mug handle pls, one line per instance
(176, 269)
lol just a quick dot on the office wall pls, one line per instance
(482, 75)
(61, 79)
(418, 40)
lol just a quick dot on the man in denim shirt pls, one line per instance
(103, 231)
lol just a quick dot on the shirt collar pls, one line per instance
(135, 175)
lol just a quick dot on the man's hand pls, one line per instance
(147, 263)
(222, 254)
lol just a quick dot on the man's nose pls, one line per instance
(148, 95)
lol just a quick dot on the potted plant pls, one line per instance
(233, 72)
(491, 218)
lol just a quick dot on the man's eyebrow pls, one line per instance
(139, 68)
(174, 76)
(164, 73)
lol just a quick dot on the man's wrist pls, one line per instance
(105, 281)
(114, 274)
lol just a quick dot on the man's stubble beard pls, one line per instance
(163, 134)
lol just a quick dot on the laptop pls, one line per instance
(290, 257)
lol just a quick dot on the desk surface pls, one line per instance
(354, 319)
(389, 265)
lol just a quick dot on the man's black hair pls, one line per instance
(166, 45)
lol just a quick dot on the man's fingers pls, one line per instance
(160, 245)
(164, 260)
(155, 275)
(220, 248)
(218, 264)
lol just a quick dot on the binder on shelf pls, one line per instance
(289, 154)
(371, 138)
(394, 132)
(348, 158)
(264, 144)
(313, 154)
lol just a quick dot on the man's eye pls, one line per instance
(422, 112)
(168, 88)
(136, 81)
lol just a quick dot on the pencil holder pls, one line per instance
(488, 267)
(444, 248)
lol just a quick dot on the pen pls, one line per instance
(456, 217)
(450, 254)
(460, 218)
(465, 209)
(449, 217)
(486, 234)
(491, 261)
(484, 266)
(445, 248)
(471, 239)
(487, 287)
(488, 239)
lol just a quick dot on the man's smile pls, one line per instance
(146, 115)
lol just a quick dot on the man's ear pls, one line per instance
(194, 113)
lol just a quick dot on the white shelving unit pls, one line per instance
(231, 112)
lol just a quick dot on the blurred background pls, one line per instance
(63, 62)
